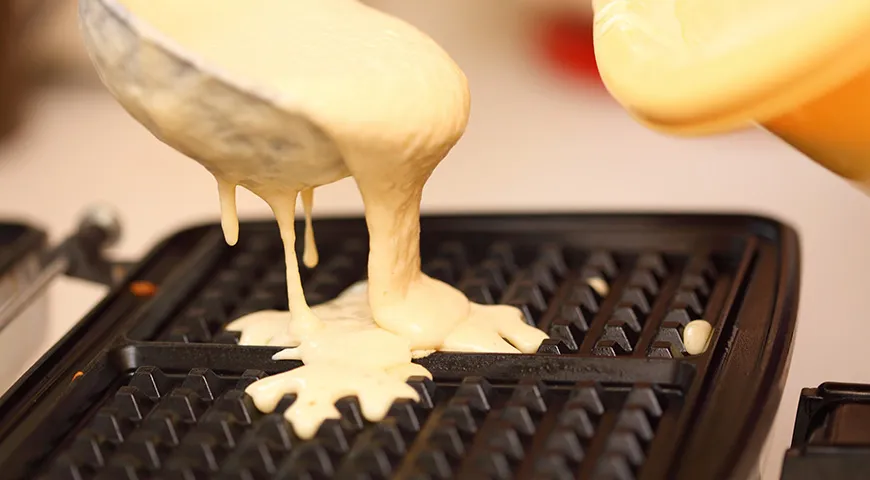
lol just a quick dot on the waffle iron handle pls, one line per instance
(85, 250)
(81, 255)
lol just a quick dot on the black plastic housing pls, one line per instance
(831, 436)
(150, 386)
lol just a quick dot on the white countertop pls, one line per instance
(534, 144)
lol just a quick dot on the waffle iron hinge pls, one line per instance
(82, 255)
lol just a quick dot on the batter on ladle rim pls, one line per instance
(281, 96)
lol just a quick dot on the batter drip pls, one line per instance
(282, 96)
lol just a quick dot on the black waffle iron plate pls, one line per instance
(148, 386)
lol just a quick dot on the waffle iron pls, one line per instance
(150, 386)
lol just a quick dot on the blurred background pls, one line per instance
(544, 136)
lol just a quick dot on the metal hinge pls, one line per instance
(82, 255)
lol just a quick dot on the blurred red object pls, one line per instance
(567, 44)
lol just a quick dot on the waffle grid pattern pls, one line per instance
(203, 425)
(591, 303)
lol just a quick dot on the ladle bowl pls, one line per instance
(238, 131)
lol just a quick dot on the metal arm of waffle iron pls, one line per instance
(81, 255)
(85, 250)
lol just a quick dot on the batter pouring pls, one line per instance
(282, 96)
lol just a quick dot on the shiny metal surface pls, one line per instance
(26, 286)
(24, 332)
(81, 255)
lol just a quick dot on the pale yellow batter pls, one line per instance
(310, 256)
(282, 96)
(599, 285)
(696, 336)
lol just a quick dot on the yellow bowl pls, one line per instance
(832, 129)
(798, 68)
